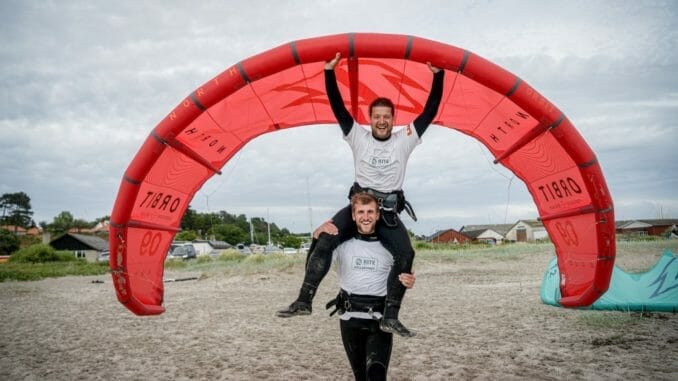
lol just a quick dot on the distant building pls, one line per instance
(99, 229)
(34, 231)
(492, 234)
(82, 246)
(527, 231)
(18, 230)
(659, 227)
(450, 236)
(205, 247)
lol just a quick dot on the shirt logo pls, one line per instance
(362, 263)
(379, 162)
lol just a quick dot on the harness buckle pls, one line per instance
(347, 305)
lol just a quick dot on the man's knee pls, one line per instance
(402, 259)
(326, 243)
(320, 260)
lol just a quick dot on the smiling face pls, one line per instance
(381, 121)
(365, 213)
(381, 118)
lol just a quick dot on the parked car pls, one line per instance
(289, 250)
(303, 249)
(243, 249)
(271, 249)
(104, 256)
(185, 251)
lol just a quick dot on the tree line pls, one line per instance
(234, 229)
(16, 210)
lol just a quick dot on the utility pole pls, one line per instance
(268, 226)
(310, 210)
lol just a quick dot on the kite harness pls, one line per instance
(345, 302)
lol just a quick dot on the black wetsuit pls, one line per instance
(363, 285)
(367, 347)
(394, 238)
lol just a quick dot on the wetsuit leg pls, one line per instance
(396, 240)
(319, 260)
(378, 348)
(368, 348)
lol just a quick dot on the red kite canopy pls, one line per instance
(283, 88)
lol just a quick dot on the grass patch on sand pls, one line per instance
(484, 253)
(613, 320)
(42, 261)
(233, 262)
(37, 271)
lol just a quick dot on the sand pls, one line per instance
(476, 319)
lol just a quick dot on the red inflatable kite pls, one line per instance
(284, 88)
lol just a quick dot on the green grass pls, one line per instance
(42, 261)
(233, 262)
(255, 263)
(483, 253)
(658, 246)
(37, 271)
(608, 320)
(24, 267)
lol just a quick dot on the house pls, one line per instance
(450, 236)
(34, 231)
(101, 228)
(205, 247)
(659, 227)
(18, 230)
(491, 234)
(527, 231)
(82, 246)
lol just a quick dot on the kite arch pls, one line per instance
(283, 88)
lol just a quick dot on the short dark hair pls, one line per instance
(363, 198)
(381, 101)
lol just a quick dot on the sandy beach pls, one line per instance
(476, 318)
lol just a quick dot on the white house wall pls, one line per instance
(202, 248)
(491, 234)
(540, 234)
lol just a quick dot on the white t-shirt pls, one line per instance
(363, 268)
(379, 164)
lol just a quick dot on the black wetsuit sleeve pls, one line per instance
(337, 103)
(431, 108)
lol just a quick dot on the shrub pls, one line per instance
(256, 258)
(9, 242)
(175, 263)
(67, 256)
(423, 245)
(231, 255)
(41, 253)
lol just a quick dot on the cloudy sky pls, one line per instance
(84, 82)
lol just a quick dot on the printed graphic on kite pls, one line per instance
(283, 88)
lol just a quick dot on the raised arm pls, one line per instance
(336, 102)
(432, 103)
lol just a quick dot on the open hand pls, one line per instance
(434, 69)
(329, 65)
(327, 227)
